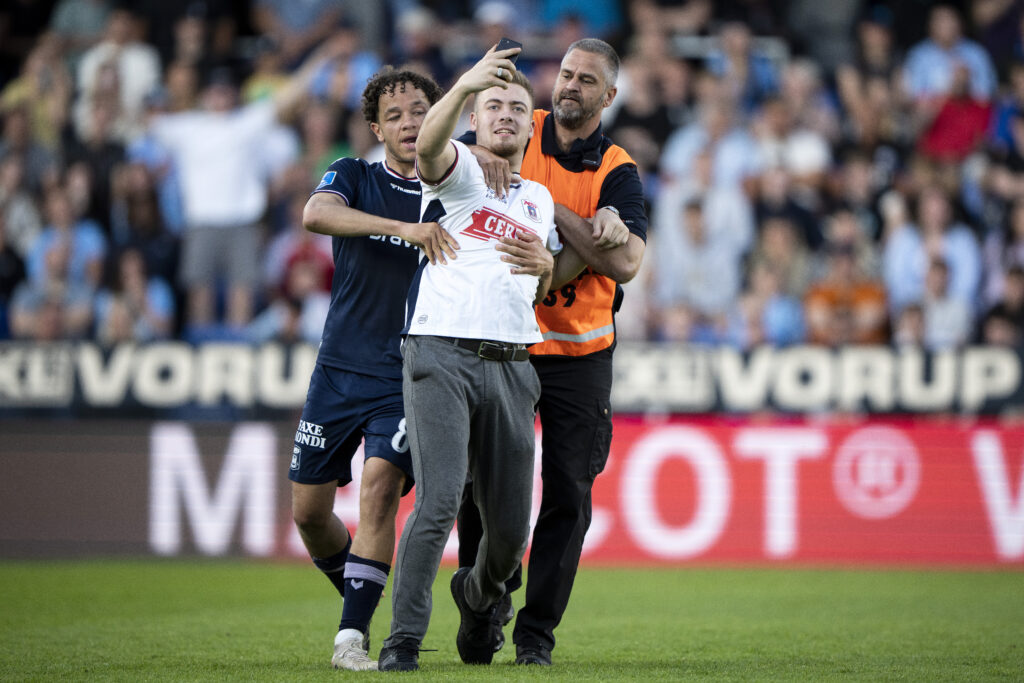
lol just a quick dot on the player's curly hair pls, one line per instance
(388, 80)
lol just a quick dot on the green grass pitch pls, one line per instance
(178, 620)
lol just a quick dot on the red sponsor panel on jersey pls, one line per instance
(491, 225)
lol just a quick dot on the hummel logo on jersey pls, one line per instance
(357, 584)
(296, 456)
(404, 189)
(489, 225)
(327, 179)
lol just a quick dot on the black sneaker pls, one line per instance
(403, 655)
(477, 639)
(533, 655)
(503, 613)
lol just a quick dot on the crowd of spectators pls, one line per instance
(817, 172)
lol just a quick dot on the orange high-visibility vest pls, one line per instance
(579, 319)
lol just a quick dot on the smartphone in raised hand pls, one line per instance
(508, 44)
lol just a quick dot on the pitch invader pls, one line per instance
(355, 393)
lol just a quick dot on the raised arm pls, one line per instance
(434, 151)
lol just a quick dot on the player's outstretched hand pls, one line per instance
(609, 230)
(437, 244)
(497, 172)
(527, 254)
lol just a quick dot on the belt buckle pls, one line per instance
(489, 350)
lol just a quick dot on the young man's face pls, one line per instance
(503, 119)
(399, 117)
(581, 91)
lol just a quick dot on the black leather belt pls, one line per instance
(490, 350)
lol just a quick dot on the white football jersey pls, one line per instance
(476, 296)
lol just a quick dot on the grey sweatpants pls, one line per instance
(463, 414)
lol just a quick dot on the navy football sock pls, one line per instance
(364, 582)
(333, 567)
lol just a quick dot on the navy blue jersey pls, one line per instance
(371, 273)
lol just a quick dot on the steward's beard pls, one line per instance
(571, 118)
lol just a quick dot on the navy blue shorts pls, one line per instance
(342, 409)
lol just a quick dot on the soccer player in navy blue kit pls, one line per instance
(355, 394)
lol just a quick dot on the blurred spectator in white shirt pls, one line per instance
(121, 68)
